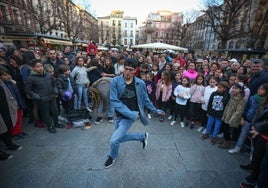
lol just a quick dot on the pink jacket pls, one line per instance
(190, 74)
(167, 91)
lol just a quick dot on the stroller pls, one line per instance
(76, 119)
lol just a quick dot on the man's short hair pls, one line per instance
(258, 61)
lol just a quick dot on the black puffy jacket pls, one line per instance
(41, 87)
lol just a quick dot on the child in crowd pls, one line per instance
(204, 100)
(251, 107)
(215, 109)
(16, 130)
(240, 78)
(41, 87)
(155, 69)
(197, 93)
(81, 80)
(151, 87)
(163, 91)
(8, 117)
(231, 80)
(182, 93)
(66, 88)
(175, 83)
(232, 113)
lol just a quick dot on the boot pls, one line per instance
(225, 145)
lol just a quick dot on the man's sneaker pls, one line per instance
(170, 117)
(14, 147)
(110, 119)
(88, 109)
(149, 116)
(200, 129)
(5, 156)
(234, 150)
(204, 131)
(109, 163)
(182, 124)
(191, 125)
(173, 122)
(145, 141)
(98, 120)
(52, 129)
(60, 126)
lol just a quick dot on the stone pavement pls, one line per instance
(175, 157)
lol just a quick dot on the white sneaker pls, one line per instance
(234, 150)
(170, 117)
(200, 129)
(204, 131)
(149, 116)
(88, 109)
(220, 135)
(182, 124)
(172, 122)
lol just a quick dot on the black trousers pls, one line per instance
(263, 177)
(179, 110)
(48, 110)
(258, 155)
(6, 138)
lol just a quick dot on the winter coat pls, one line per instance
(41, 87)
(260, 121)
(251, 107)
(233, 110)
(62, 84)
(197, 93)
(8, 108)
(257, 80)
(166, 93)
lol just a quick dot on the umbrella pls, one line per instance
(160, 45)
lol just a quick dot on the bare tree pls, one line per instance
(224, 18)
(183, 28)
(44, 14)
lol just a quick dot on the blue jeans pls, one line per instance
(120, 135)
(243, 135)
(217, 125)
(82, 94)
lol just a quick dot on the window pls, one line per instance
(131, 25)
(131, 41)
(125, 33)
(125, 41)
(125, 25)
(131, 33)
(3, 16)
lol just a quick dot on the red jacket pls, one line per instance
(92, 49)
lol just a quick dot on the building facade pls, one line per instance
(117, 29)
(164, 25)
(51, 22)
(251, 40)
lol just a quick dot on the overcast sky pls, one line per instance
(139, 8)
